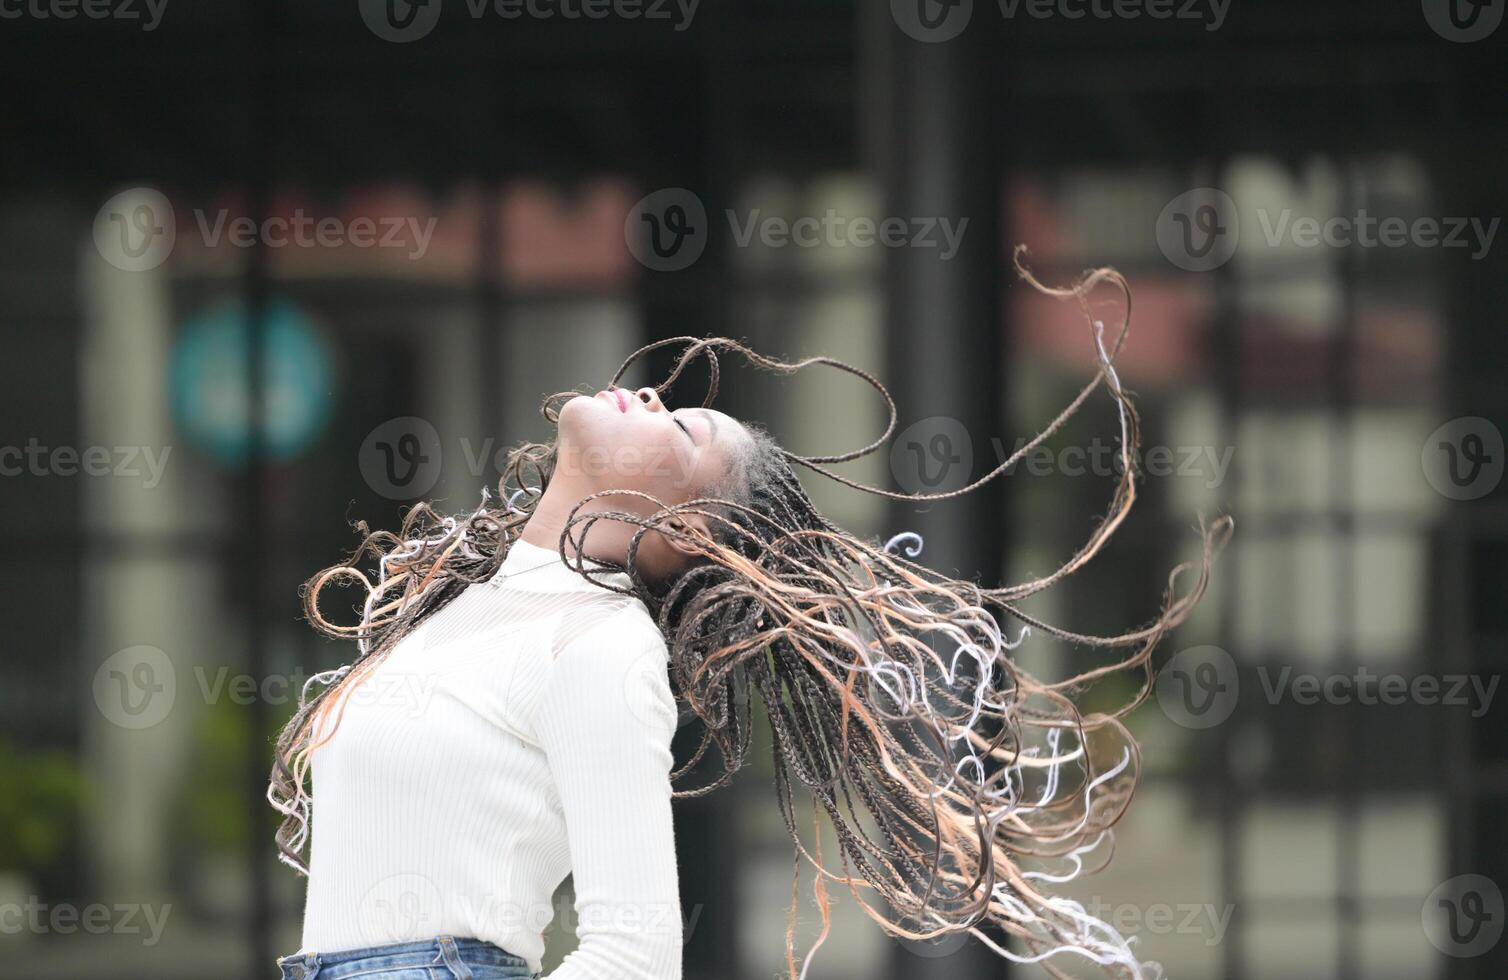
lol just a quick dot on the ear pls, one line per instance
(693, 524)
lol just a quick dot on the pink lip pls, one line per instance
(618, 397)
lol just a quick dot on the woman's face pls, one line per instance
(629, 440)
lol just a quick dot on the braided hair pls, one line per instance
(957, 787)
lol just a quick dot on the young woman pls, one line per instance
(509, 717)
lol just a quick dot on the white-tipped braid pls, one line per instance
(520, 734)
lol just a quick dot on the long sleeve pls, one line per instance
(605, 721)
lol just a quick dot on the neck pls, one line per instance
(606, 540)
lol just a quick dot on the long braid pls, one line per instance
(958, 787)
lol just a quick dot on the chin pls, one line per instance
(575, 414)
(587, 422)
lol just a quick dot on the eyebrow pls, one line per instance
(705, 416)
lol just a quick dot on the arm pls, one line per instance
(605, 722)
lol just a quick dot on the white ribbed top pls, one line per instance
(520, 734)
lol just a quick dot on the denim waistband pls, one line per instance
(449, 950)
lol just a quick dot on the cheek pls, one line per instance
(630, 452)
(683, 474)
(656, 461)
(647, 457)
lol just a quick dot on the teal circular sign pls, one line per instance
(208, 379)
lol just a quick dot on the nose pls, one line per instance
(649, 397)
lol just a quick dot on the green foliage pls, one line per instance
(41, 796)
(215, 808)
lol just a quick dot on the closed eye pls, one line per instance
(683, 428)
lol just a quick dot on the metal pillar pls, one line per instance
(929, 134)
(694, 300)
(1475, 537)
(251, 492)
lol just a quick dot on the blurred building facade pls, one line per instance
(160, 540)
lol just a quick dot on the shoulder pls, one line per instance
(626, 631)
(618, 668)
(642, 628)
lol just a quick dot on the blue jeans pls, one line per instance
(441, 958)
